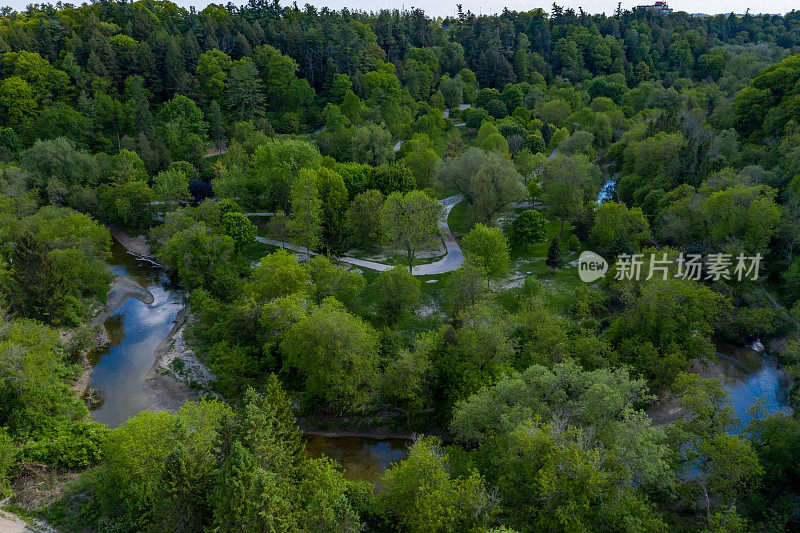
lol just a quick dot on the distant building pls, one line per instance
(658, 7)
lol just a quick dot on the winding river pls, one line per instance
(136, 329)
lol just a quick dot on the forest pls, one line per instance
(374, 224)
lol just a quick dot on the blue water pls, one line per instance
(136, 330)
(607, 192)
(750, 377)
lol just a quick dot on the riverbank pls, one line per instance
(177, 375)
(138, 246)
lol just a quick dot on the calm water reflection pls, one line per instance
(135, 330)
(751, 376)
(361, 457)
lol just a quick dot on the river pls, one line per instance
(750, 376)
(136, 330)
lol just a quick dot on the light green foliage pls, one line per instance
(200, 257)
(171, 186)
(612, 218)
(335, 353)
(717, 465)
(465, 287)
(420, 157)
(398, 293)
(238, 227)
(533, 427)
(333, 193)
(274, 168)
(422, 494)
(489, 250)
(183, 128)
(306, 223)
(277, 274)
(569, 183)
(488, 181)
(127, 166)
(410, 222)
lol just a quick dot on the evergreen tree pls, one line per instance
(37, 287)
(554, 259)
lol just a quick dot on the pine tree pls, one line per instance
(37, 287)
(554, 259)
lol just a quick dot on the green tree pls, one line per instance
(488, 248)
(277, 274)
(363, 219)
(306, 221)
(554, 259)
(372, 145)
(171, 186)
(335, 353)
(244, 93)
(410, 222)
(398, 292)
(528, 227)
(422, 493)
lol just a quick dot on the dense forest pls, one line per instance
(264, 150)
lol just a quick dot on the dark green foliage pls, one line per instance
(554, 259)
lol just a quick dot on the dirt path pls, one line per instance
(451, 261)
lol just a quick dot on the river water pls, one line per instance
(137, 329)
(751, 376)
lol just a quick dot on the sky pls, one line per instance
(436, 8)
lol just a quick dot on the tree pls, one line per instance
(37, 288)
(372, 145)
(422, 494)
(277, 274)
(554, 259)
(465, 288)
(171, 186)
(363, 219)
(306, 220)
(183, 128)
(488, 248)
(651, 332)
(410, 222)
(488, 181)
(612, 218)
(335, 353)
(722, 466)
(530, 426)
(569, 183)
(199, 257)
(398, 293)
(330, 281)
(237, 226)
(333, 195)
(244, 94)
(528, 227)
(273, 170)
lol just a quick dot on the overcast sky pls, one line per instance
(436, 8)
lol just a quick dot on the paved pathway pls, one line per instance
(451, 261)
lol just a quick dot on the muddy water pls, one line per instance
(136, 330)
(361, 457)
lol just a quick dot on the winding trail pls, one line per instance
(451, 261)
